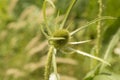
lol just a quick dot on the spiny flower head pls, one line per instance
(60, 38)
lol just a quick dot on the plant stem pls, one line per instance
(98, 42)
(99, 28)
(55, 65)
(98, 46)
(48, 64)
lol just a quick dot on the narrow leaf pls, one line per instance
(56, 38)
(91, 22)
(91, 56)
(67, 13)
(45, 17)
(45, 34)
(112, 36)
(80, 42)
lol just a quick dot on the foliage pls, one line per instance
(23, 48)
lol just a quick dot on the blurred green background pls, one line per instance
(23, 48)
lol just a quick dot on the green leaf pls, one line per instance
(90, 75)
(112, 36)
(104, 75)
(107, 76)
(111, 31)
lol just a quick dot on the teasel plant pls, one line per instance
(60, 39)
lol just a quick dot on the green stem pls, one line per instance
(48, 64)
(98, 41)
(54, 62)
(99, 28)
(55, 65)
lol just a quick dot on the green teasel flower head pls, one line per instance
(60, 38)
